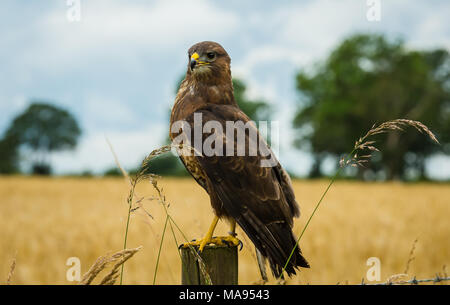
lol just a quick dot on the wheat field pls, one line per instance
(44, 221)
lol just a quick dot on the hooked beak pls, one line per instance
(196, 62)
(193, 64)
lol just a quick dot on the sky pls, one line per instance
(116, 68)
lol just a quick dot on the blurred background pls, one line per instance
(114, 67)
(76, 74)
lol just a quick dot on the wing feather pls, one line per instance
(260, 199)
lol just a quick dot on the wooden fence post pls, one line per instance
(221, 263)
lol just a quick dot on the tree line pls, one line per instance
(366, 79)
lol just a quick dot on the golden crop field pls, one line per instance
(44, 221)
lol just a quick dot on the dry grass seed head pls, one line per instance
(11, 272)
(411, 256)
(103, 262)
(394, 125)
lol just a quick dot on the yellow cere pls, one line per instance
(195, 56)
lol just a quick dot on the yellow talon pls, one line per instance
(194, 243)
(203, 244)
(216, 240)
(226, 241)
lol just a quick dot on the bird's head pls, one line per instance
(208, 62)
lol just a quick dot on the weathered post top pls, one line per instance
(220, 265)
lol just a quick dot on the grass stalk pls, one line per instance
(312, 214)
(130, 202)
(160, 247)
(354, 159)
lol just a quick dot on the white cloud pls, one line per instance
(270, 54)
(317, 25)
(305, 32)
(93, 152)
(124, 28)
(144, 43)
(432, 32)
(100, 110)
(10, 108)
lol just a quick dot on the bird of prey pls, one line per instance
(258, 198)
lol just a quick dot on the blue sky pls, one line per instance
(117, 67)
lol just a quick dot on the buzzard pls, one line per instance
(241, 187)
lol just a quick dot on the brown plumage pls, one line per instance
(260, 199)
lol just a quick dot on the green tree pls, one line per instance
(257, 110)
(9, 160)
(369, 79)
(42, 129)
(112, 172)
(167, 165)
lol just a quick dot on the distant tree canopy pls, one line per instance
(112, 171)
(9, 159)
(167, 165)
(369, 79)
(257, 110)
(41, 129)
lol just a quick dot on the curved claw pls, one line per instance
(232, 242)
(241, 244)
(193, 243)
(186, 245)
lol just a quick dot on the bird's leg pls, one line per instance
(217, 240)
(232, 231)
(205, 240)
(231, 238)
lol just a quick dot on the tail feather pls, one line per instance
(275, 241)
(261, 264)
(283, 233)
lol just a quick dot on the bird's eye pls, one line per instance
(210, 55)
